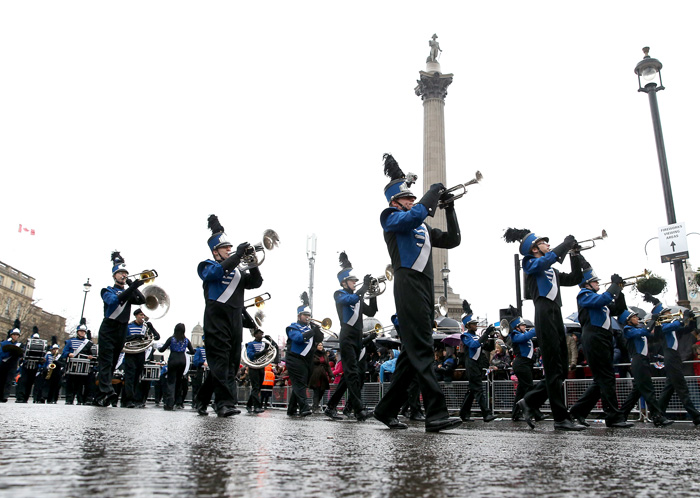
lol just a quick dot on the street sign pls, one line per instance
(673, 243)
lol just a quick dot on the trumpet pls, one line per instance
(463, 186)
(636, 277)
(579, 247)
(377, 286)
(251, 259)
(257, 301)
(670, 317)
(325, 324)
(148, 276)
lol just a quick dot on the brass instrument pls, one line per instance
(579, 247)
(463, 186)
(157, 301)
(325, 324)
(504, 328)
(264, 360)
(140, 342)
(148, 276)
(257, 301)
(441, 306)
(50, 368)
(377, 286)
(251, 259)
(670, 317)
(383, 332)
(636, 277)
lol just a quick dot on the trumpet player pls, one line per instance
(351, 307)
(224, 285)
(113, 330)
(134, 362)
(638, 347)
(410, 241)
(542, 284)
(594, 314)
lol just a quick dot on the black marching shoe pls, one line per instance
(661, 421)
(391, 422)
(581, 420)
(622, 424)
(490, 417)
(568, 425)
(527, 413)
(305, 413)
(419, 417)
(168, 408)
(226, 411)
(442, 424)
(466, 418)
(258, 409)
(363, 415)
(538, 416)
(696, 421)
(332, 413)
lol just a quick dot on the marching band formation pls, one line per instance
(122, 362)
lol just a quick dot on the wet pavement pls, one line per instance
(58, 450)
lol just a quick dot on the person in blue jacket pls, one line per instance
(224, 285)
(10, 353)
(113, 330)
(595, 312)
(543, 285)
(474, 373)
(410, 241)
(523, 364)
(638, 348)
(255, 349)
(200, 364)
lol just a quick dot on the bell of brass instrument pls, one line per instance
(463, 186)
(377, 286)
(51, 368)
(157, 301)
(255, 254)
(579, 247)
(257, 301)
(441, 306)
(326, 324)
(141, 342)
(504, 328)
(270, 353)
(148, 276)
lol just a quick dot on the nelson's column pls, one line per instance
(432, 89)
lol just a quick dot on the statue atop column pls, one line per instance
(434, 49)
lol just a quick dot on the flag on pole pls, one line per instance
(25, 229)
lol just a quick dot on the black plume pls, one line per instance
(515, 234)
(304, 299)
(651, 299)
(54, 340)
(391, 168)
(88, 335)
(17, 324)
(35, 329)
(83, 321)
(214, 225)
(344, 261)
(512, 311)
(466, 307)
(117, 258)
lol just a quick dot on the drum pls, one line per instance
(150, 372)
(36, 348)
(78, 366)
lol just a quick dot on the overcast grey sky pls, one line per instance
(124, 125)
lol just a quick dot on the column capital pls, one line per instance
(433, 85)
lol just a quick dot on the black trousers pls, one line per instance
(414, 299)
(111, 342)
(598, 349)
(342, 386)
(299, 372)
(52, 386)
(642, 386)
(551, 338)
(25, 384)
(413, 401)
(223, 331)
(256, 376)
(197, 384)
(173, 394)
(77, 387)
(522, 368)
(133, 369)
(7, 373)
(350, 347)
(675, 382)
(474, 391)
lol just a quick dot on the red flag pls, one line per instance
(25, 229)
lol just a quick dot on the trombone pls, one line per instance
(463, 186)
(257, 301)
(148, 276)
(645, 274)
(325, 324)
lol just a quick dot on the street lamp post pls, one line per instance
(86, 288)
(445, 277)
(649, 69)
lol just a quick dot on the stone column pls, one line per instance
(432, 89)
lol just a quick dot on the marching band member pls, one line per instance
(409, 242)
(224, 286)
(523, 363)
(255, 349)
(673, 364)
(177, 344)
(10, 353)
(200, 363)
(474, 372)
(27, 375)
(77, 385)
(543, 285)
(113, 330)
(134, 362)
(301, 340)
(638, 347)
(51, 385)
(594, 312)
(351, 307)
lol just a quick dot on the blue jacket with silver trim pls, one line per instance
(227, 287)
